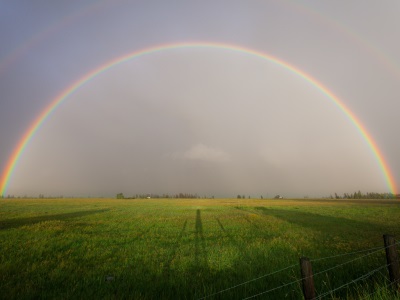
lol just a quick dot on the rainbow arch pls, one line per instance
(33, 128)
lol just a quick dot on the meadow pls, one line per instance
(193, 248)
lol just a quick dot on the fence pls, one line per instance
(307, 276)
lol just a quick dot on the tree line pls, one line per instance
(164, 196)
(360, 195)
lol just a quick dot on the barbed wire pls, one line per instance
(362, 277)
(345, 263)
(326, 270)
(246, 282)
(388, 286)
(273, 289)
(374, 250)
(349, 253)
(357, 258)
(384, 276)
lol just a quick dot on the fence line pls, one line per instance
(389, 285)
(347, 262)
(362, 277)
(263, 276)
(350, 253)
(284, 285)
(345, 254)
(273, 289)
(357, 279)
(384, 276)
(374, 250)
(332, 268)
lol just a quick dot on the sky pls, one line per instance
(210, 121)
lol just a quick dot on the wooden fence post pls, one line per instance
(392, 259)
(307, 279)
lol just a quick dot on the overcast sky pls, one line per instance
(200, 120)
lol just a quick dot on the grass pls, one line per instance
(189, 249)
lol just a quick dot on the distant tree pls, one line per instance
(261, 197)
(120, 196)
(239, 197)
(360, 195)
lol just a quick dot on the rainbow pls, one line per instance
(33, 128)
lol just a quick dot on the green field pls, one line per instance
(189, 249)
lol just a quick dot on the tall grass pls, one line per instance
(189, 249)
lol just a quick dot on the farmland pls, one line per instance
(190, 248)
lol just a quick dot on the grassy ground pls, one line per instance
(189, 249)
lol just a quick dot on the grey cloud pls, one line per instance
(206, 153)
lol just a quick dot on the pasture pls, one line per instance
(190, 249)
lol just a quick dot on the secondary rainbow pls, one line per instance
(19, 149)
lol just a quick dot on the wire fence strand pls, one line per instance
(357, 258)
(246, 282)
(354, 252)
(362, 277)
(388, 286)
(346, 254)
(347, 262)
(374, 250)
(273, 289)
